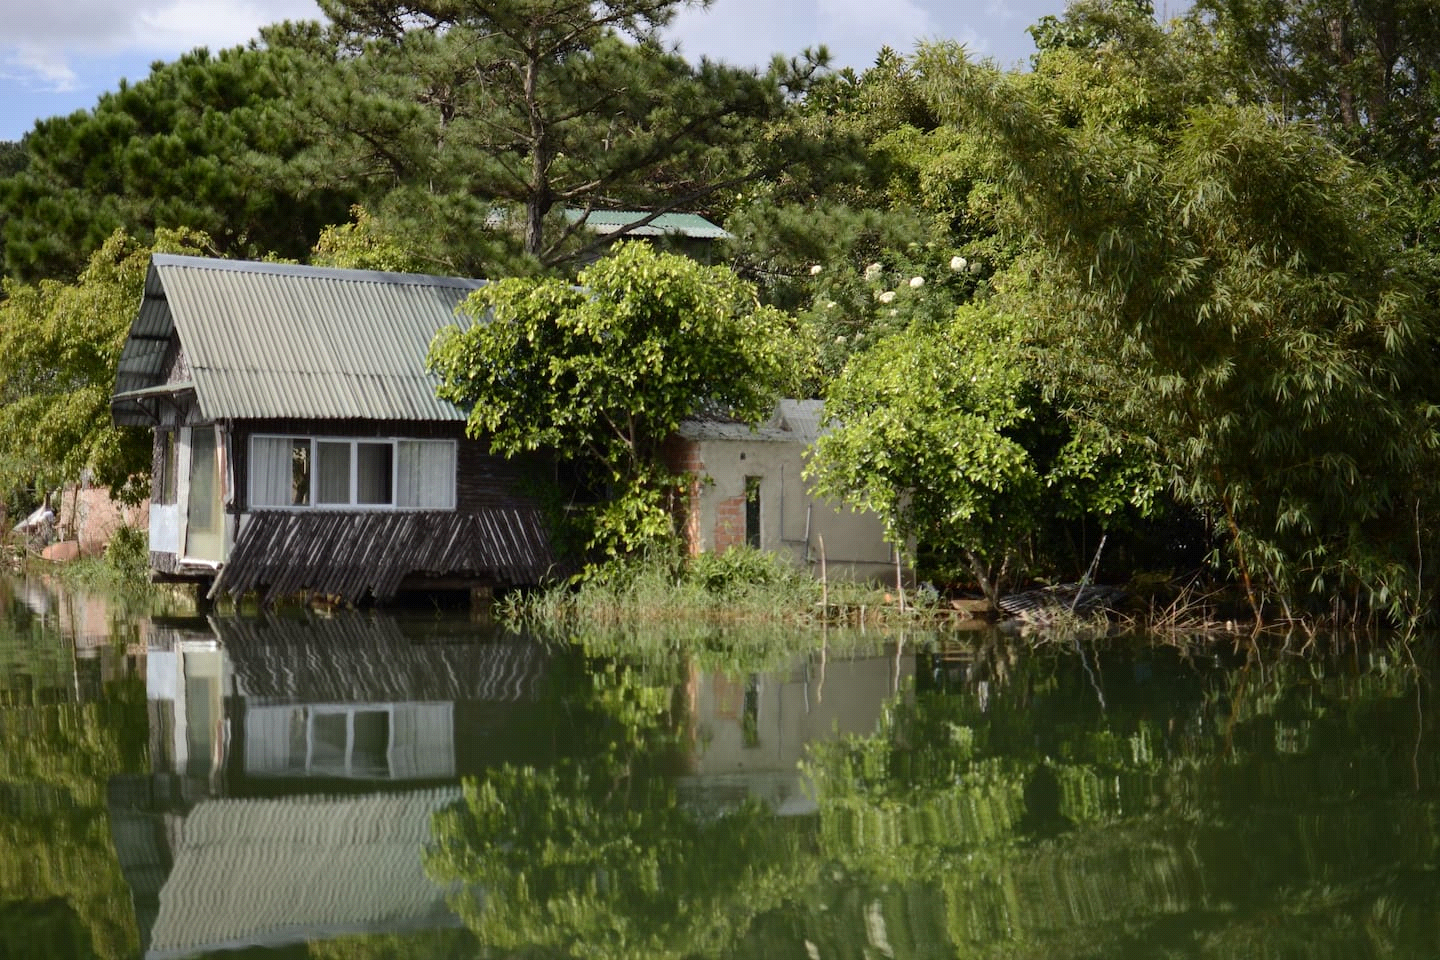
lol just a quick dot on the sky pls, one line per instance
(58, 56)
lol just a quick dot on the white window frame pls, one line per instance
(315, 440)
(349, 710)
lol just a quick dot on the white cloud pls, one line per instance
(36, 68)
(898, 23)
(186, 24)
(42, 41)
(741, 32)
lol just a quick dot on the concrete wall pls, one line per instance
(793, 520)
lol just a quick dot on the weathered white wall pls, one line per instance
(165, 527)
(793, 521)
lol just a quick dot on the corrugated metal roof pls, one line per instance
(803, 418)
(793, 421)
(690, 225)
(280, 340)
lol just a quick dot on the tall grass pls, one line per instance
(741, 585)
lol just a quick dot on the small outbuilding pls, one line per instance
(298, 441)
(749, 488)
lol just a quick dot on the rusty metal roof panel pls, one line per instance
(280, 340)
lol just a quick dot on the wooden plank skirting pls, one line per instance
(356, 657)
(351, 555)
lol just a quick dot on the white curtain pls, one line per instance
(425, 474)
(270, 469)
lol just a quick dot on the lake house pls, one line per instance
(298, 442)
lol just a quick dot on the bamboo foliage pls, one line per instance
(1237, 290)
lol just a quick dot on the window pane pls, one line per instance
(373, 466)
(370, 745)
(270, 471)
(752, 511)
(204, 491)
(299, 473)
(426, 470)
(332, 472)
(328, 735)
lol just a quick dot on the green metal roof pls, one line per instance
(279, 340)
(690, 225)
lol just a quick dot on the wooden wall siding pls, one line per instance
(177, 368)
(157, 465)
(357, 658)
(354, 555)
(485, 480)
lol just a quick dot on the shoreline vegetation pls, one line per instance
(754, 605)
(747, 587)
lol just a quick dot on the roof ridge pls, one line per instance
(270, 268)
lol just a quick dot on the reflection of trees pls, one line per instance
(1275, 809)
(572, 863)
(447, 944)
(58, 866)
(604, 860)
(1013, 806)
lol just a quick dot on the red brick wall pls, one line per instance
(91, 517)
(729, 524)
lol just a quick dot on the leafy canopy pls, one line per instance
(942, 430)
(59, 346)
(201, 143)
(483, 120)
(1230, 286)
(604, 372)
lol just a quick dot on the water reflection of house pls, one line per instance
(350, 698)
(357, 697)
(750, 732)
(297, 764)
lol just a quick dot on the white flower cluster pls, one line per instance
(872, 272)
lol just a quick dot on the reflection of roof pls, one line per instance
(269, 872)
(280, 340)
(359, 658)
(689, 225)
(793, 421)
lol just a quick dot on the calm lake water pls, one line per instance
(417, 785)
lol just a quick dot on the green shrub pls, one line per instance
(740, 568)
(128, 553)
